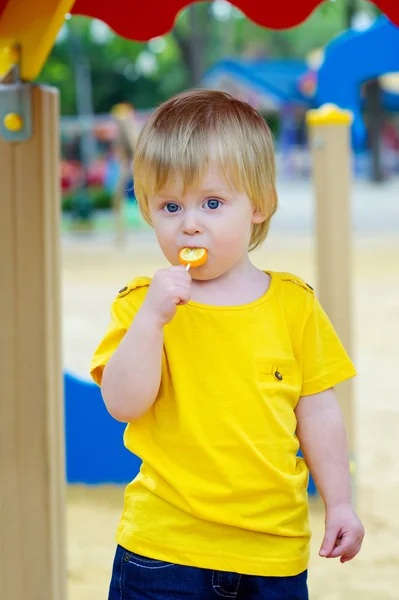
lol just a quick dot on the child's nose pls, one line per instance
(191, 224)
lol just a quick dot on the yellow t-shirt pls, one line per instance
(221, 486)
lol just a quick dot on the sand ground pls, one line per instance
(93, 271)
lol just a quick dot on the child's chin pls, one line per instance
(199, 273)
(203, 274)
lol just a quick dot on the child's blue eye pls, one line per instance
(171, 207)
(212, 203)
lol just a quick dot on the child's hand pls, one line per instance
(169, 288)
(344, 533)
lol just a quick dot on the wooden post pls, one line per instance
(329, 129)
(32, 550)
(124, 146)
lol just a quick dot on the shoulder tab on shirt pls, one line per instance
(133, 284)
(295, 279)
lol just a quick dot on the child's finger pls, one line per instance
(344, 546)
(351, 555)
(328, 543)
(347, 558)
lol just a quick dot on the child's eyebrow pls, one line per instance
(205, 191)
(216, 191)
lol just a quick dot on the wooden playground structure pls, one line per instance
(31, 400)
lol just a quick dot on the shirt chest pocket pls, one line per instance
(278, 378)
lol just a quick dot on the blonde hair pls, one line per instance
(188, 131)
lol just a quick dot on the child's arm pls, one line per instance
(132, 376)
(322, 436)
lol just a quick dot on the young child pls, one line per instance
(221, 373)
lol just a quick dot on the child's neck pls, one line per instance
(242, 284)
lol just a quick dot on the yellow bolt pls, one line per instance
(12, 54)
(13, 122)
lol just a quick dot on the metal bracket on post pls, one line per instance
(15, 107)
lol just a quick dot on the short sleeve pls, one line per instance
(122, 315)
(325, 362)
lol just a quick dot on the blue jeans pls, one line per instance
(136, 577)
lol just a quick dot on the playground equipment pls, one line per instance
(32, 432)
(350, 60)
(99, 458)
(267, 84)
(124, 146)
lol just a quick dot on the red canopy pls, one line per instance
(141, 20)
(34, 24)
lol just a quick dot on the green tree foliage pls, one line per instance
(145, 74)
(116, 75)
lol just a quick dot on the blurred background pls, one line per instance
(212, 45)
(109, 86)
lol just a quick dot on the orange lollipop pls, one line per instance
(193, 257)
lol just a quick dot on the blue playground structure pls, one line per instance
(351, 59)
(95, 453)
(269, 84)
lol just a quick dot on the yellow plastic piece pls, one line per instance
(33, 26)
(9, 55)
(13, 122)
(122, 111)
(329, 114)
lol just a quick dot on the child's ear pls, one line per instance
(259, 216)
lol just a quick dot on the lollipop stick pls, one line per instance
(188, 267)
